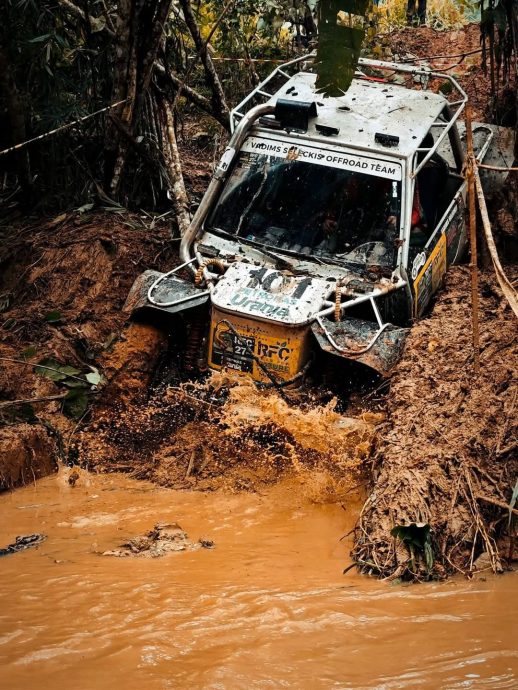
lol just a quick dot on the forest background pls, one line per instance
(167, 62)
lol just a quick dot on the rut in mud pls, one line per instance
(80, 270)
(225, 434)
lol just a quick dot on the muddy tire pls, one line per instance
(130, 366)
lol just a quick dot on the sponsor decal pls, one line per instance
(430, 276)
(235, 351)
(334, 159)
(226, 159)
(418, 263)
(230, 350)
(261, 302)
(274, 350)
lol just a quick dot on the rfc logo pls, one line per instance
(279, 351)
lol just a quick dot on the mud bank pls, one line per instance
(27, 453)
(447, 454)
(62, 286)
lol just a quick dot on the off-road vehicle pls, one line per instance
(327, 227)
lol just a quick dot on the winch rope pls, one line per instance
(51, 132)
(505, 284)
(498, 168)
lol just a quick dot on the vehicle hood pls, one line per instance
(266, 293)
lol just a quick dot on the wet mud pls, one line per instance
(447, 454)
(267, 607)
(225, 433)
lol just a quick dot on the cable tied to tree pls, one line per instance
(57, 130)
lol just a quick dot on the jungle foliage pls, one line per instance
(64, 59)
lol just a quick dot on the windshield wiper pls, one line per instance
(280, 261)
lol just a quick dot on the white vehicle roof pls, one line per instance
(368, 108)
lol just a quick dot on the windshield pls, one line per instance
(309, 208)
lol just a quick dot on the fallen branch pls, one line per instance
(498, 168)
(495, 502)
(191, 464)
(174, 169)
(30, 401)
(41, 366)
(196, 98)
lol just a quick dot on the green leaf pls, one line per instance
(55, 371)
(94, 378)
(75, 403)
(415, 534)
(53, 316)
(428, 554)
(339, 43)
(28, 352)
(40, 39)
(68, 370)
(74, 383)
(9, 323)
(97, 24)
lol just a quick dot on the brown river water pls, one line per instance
(267, 607)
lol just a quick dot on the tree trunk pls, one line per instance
(174, 168)
(218, 97)
(130, 37)
(17, 119)
(162, 12)
(140, 28)
(119, 91)
(514, 30)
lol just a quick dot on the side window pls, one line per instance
(433, 185)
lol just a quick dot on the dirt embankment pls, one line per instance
(62, 287)
(456, 53)
(447, 456)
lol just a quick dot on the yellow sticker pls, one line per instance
(430, 276)
(238, 343)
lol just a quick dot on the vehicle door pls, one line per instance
(439, 200)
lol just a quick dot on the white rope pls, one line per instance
(60, 129)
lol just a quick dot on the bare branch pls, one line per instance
(218, 96)
(194, 96)
(174, 167)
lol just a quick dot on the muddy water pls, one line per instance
(268, 607)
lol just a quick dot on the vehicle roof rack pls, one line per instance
(443, 124)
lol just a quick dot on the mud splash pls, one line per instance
(225, 433)
(268, 607)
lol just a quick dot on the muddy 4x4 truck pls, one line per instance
(327, 227)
